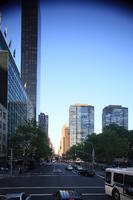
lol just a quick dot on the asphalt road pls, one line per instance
(45, 181)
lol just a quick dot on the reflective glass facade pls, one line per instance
(81, 122)
(29, 41)
(3, 131)
(18, 102)
(115, 114)
(4, 57)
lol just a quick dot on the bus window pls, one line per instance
(118, 178)
(108, 177)
(128, 185)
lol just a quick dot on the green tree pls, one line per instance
(30, 141)
(113, 142)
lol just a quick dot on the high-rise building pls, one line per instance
(65, 140)
(81, 122)
(115, 114)
(15, 98)
(4, 56)
(43, 122)
(29, 50)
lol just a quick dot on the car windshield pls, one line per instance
(66, 97)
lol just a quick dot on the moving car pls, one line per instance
(79, 168)
(69, 167)
(88, 170)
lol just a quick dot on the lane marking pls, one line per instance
(41, 195)
(53, 187)
(93, 194)
(82, 194)
(100, 176)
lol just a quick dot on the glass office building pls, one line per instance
(29, 49)
(19, 106)
(81, 122)
(4, 57)
(115, 114)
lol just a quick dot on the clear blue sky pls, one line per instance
(86, 57)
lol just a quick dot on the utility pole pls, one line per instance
(93, 155)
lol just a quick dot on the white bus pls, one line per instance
(119, 183)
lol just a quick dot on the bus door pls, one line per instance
(128, 186)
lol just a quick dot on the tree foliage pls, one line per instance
(113, 142)
(29, 142)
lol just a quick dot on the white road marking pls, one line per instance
(93, 194)
(41, 195)
(100, 176)
(82, 194)
(52, 187)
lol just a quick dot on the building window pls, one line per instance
(4, 115)
(4, 149)
(4, 138)
(4, 127)
(0, 113)
(0, 124)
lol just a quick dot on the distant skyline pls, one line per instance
(86, 57)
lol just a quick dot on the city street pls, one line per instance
(45, 181)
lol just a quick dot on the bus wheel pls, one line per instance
(116, 195)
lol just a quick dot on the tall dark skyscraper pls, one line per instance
(43, 122)
(29, 44)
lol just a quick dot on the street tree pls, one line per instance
(29, 142)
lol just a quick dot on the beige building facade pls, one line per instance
(65, 140)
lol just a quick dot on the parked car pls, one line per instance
(67, 195)
(69, 167)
